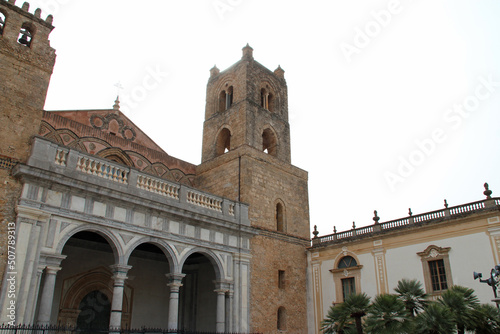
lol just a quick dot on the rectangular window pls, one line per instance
(348, 287)
(438, 275)
(281, 279)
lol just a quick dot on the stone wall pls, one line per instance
(26, 72)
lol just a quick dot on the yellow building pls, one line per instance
(439, 248)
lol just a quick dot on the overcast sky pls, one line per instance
(393, 104)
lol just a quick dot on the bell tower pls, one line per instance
(246, 156)
(247, 105)
(26, 64)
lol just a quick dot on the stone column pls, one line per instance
(47, 295)
(221, 310)
(175, 282)
(119, 277)
(229, 310)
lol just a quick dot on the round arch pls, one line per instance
(211, 256)
(223, 140)
(280, 215)
(162, 245)
(270, 141)
(112, 240)
(342, 255)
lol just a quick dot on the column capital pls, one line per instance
(52, 270)
(120, 272)
(220, 291)
(174, 280)
(51, 260)
(222, 285)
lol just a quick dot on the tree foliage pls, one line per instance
(409, 311)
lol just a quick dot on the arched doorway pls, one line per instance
(95, 310)
(197, 299)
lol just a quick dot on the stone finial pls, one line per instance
(116, 106)
(409, 212)
(279, 72)
(335, 229)
(49, 19)
(12, 2)
(446, 204)
(315, 232)
(38, 13)
(26, 6)
(247, 52)
(376, 218)
(214, 71)
(353, 225)
(487, 192)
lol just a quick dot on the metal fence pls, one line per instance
(53, 329)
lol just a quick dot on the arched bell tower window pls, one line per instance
(226, 99)
(3, 18)
(266, 99)
(269, 142)
(26, 34)
(223, 143)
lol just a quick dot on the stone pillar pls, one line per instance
(47, 295)
(175, 282)
(119, 277)
(229, 311)
(221, 310)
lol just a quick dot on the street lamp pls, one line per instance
(493, 281)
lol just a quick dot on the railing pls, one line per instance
(72, 162)
(407, 221)
(204, 200)
(102, 169)
(51, 329)
(157, 186)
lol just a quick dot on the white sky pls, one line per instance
(352, 122)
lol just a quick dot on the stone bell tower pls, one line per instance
(26, 63)
(246, 157)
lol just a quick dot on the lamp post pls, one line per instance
(492, 281)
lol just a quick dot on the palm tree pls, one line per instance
(488, 319)
(411, 293)
(337, 320)
(388, 315)
(435, 319)
(341, 318)
(356, 305)
(462, 302)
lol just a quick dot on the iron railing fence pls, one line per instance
(56, 329)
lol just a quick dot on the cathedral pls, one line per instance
(102, 228)
(106, 228)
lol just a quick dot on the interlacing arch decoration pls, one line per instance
(116, 154)
(103, 149)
